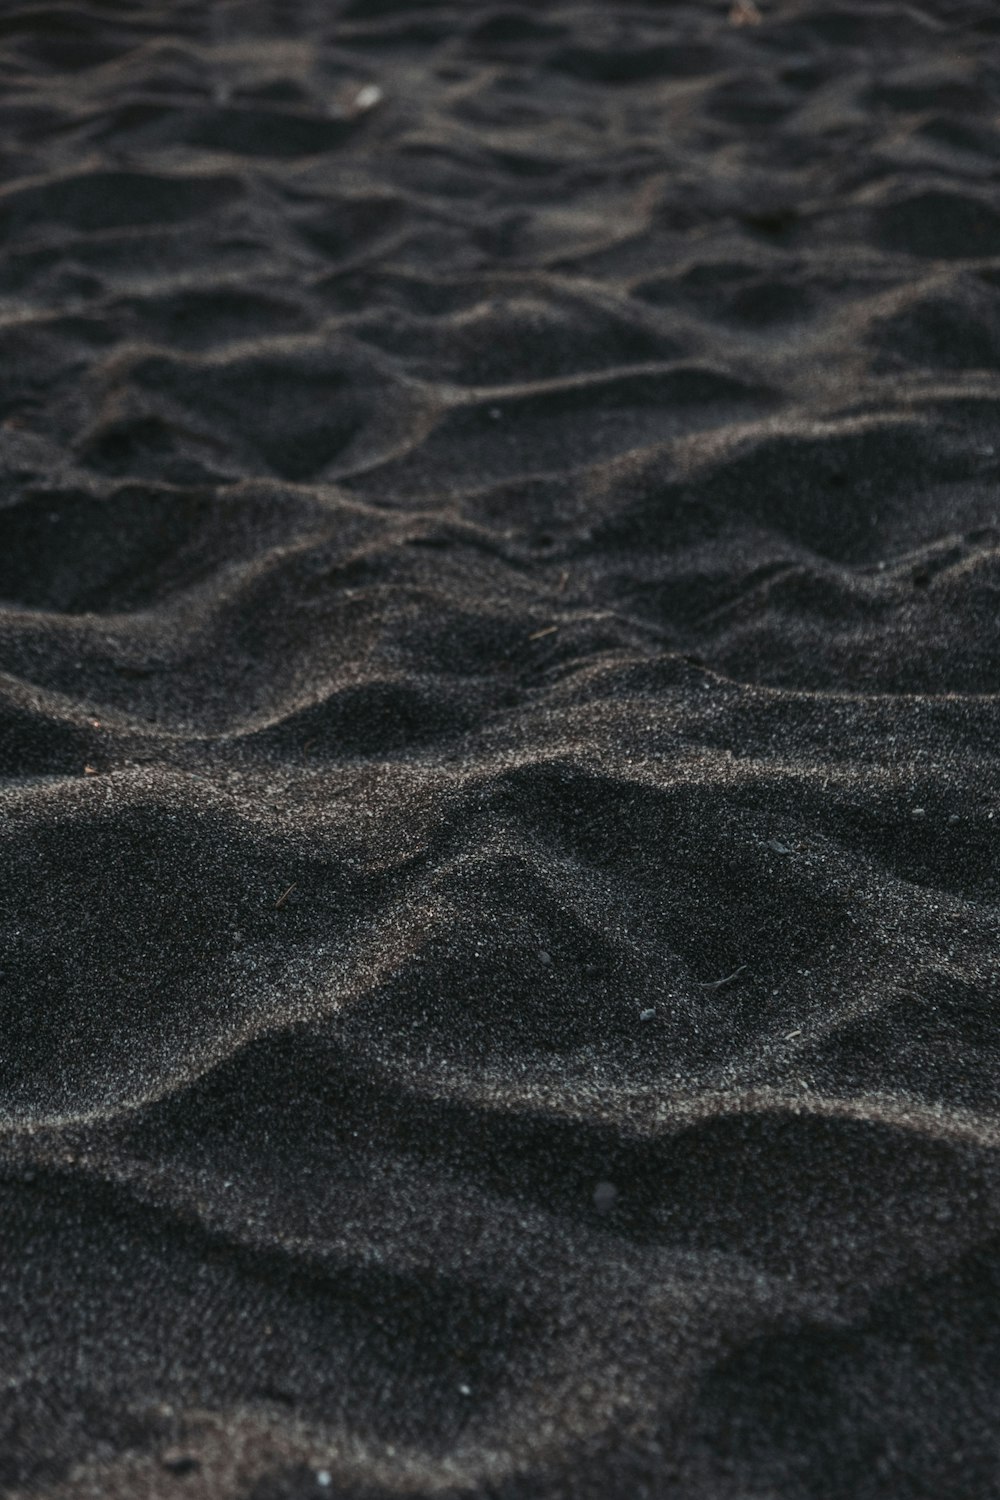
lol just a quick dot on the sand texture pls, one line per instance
(499, 706)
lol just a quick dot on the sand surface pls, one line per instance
(499, 671)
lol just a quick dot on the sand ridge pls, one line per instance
(499, 561)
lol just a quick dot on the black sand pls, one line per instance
(500, 565)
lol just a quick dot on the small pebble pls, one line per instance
(465, 1390)
(544, 958)
(647, 1015)
(919, 812)
(177, 1462)
(324, 1478)
(605, 1197)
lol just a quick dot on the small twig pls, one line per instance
(549, 630)
(285, 895)
(716, 984)
(563, 581)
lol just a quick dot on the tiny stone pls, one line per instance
(544, 958)
(324, 1478)
(605, 1197)
(465, 1390)
(179, 1463)
(647, 1015)
(919, 812)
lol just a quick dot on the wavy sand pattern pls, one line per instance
(499, 697)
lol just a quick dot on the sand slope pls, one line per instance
(499, 697)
